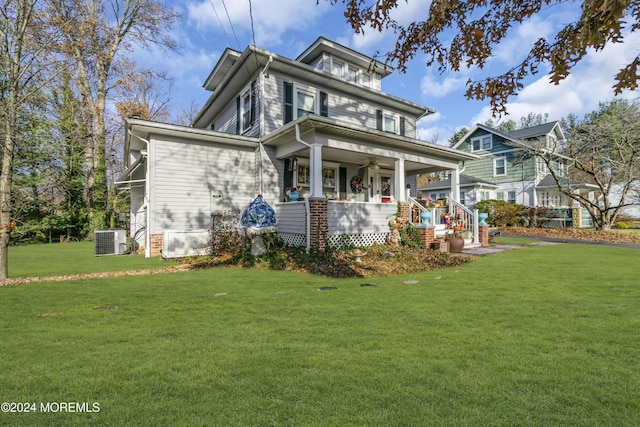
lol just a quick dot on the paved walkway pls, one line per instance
(538, 241)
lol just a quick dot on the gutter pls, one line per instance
(145, 205)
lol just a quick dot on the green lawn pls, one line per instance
(72, 258)
(533, 336)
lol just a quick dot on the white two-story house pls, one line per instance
(320, 123)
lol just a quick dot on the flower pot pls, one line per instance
(426, 218)
(482, 217)
(294, 196)
(456, 244)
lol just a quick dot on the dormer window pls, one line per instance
(337, 68)
(481, 143)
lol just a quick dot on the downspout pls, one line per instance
(147, 237)
(307, 208)
(260, 146)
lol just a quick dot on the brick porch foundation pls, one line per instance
(156, 244)
(319, 226)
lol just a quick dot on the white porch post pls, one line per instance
(399, 186)
(455, 185)
(315, 159)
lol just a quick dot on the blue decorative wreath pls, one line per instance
(356, 184)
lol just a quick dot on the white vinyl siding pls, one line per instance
(185, 173)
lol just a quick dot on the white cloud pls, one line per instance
(270, 21)
(438, 87)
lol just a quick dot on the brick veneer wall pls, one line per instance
(483, 235)
(404, 211)
(156, 244)
(319, 225)
(427, 235)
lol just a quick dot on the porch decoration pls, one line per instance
(456, 242)
(482, 218)
(426, 218)
(258, 214)
(356, 184)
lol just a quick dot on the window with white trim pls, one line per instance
(485, 195)
(352, 74)
(511, 197)
(390, 123)
(365, 79)
(500, 166)
(463, 198)
(305, 102)
(542, 166)
(337, 68)
(500, 195)
(481, 143)
(245, 112)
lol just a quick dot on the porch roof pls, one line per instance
(465, 182)
(549, 182)
(400, 146)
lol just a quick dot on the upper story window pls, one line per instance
(352, 74)
(542, 166)
(500, 166)
(306, 102)
(245, 105)
(365, 79)
(390, 122)
(481, 143)
(303, 100)
(337, 68)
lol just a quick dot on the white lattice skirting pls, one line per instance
(293, 239)
(338, 240)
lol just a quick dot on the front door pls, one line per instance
(382, 185)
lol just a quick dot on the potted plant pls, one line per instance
(456, 241)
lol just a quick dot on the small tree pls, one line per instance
(604, 150)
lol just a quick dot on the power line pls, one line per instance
(231, 24)
(220, 22)
(253, 33)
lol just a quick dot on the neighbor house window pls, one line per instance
(500, 166)
(484, 195)
(500, 195)
(542, 166)
(481, 143)
(462, 198)
(511, 197)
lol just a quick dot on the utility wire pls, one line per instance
(220, 22)
(231, 24)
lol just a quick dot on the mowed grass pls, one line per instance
(533, 336)
(72, 258)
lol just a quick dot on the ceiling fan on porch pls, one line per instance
(373, 164)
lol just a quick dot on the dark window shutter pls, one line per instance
(324, 104)
(254, 99)
(238, 115)
(288, 175)
(402, 126)
(213, 126)
(288, 102)
(379, 119)
(343, 179)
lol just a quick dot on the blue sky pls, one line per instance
(287, 27)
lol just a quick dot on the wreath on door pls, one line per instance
(356, 184)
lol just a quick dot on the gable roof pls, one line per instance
(534, 131)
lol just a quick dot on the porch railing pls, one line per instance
(459, 215)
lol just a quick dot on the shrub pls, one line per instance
(623, 225)
(502, 213)
(537, 217)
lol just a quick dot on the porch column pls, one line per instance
(399, 185)
(315, 160)
(455, 185)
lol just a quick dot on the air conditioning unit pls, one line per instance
(110, 242)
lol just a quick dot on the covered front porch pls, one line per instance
(348, 182)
